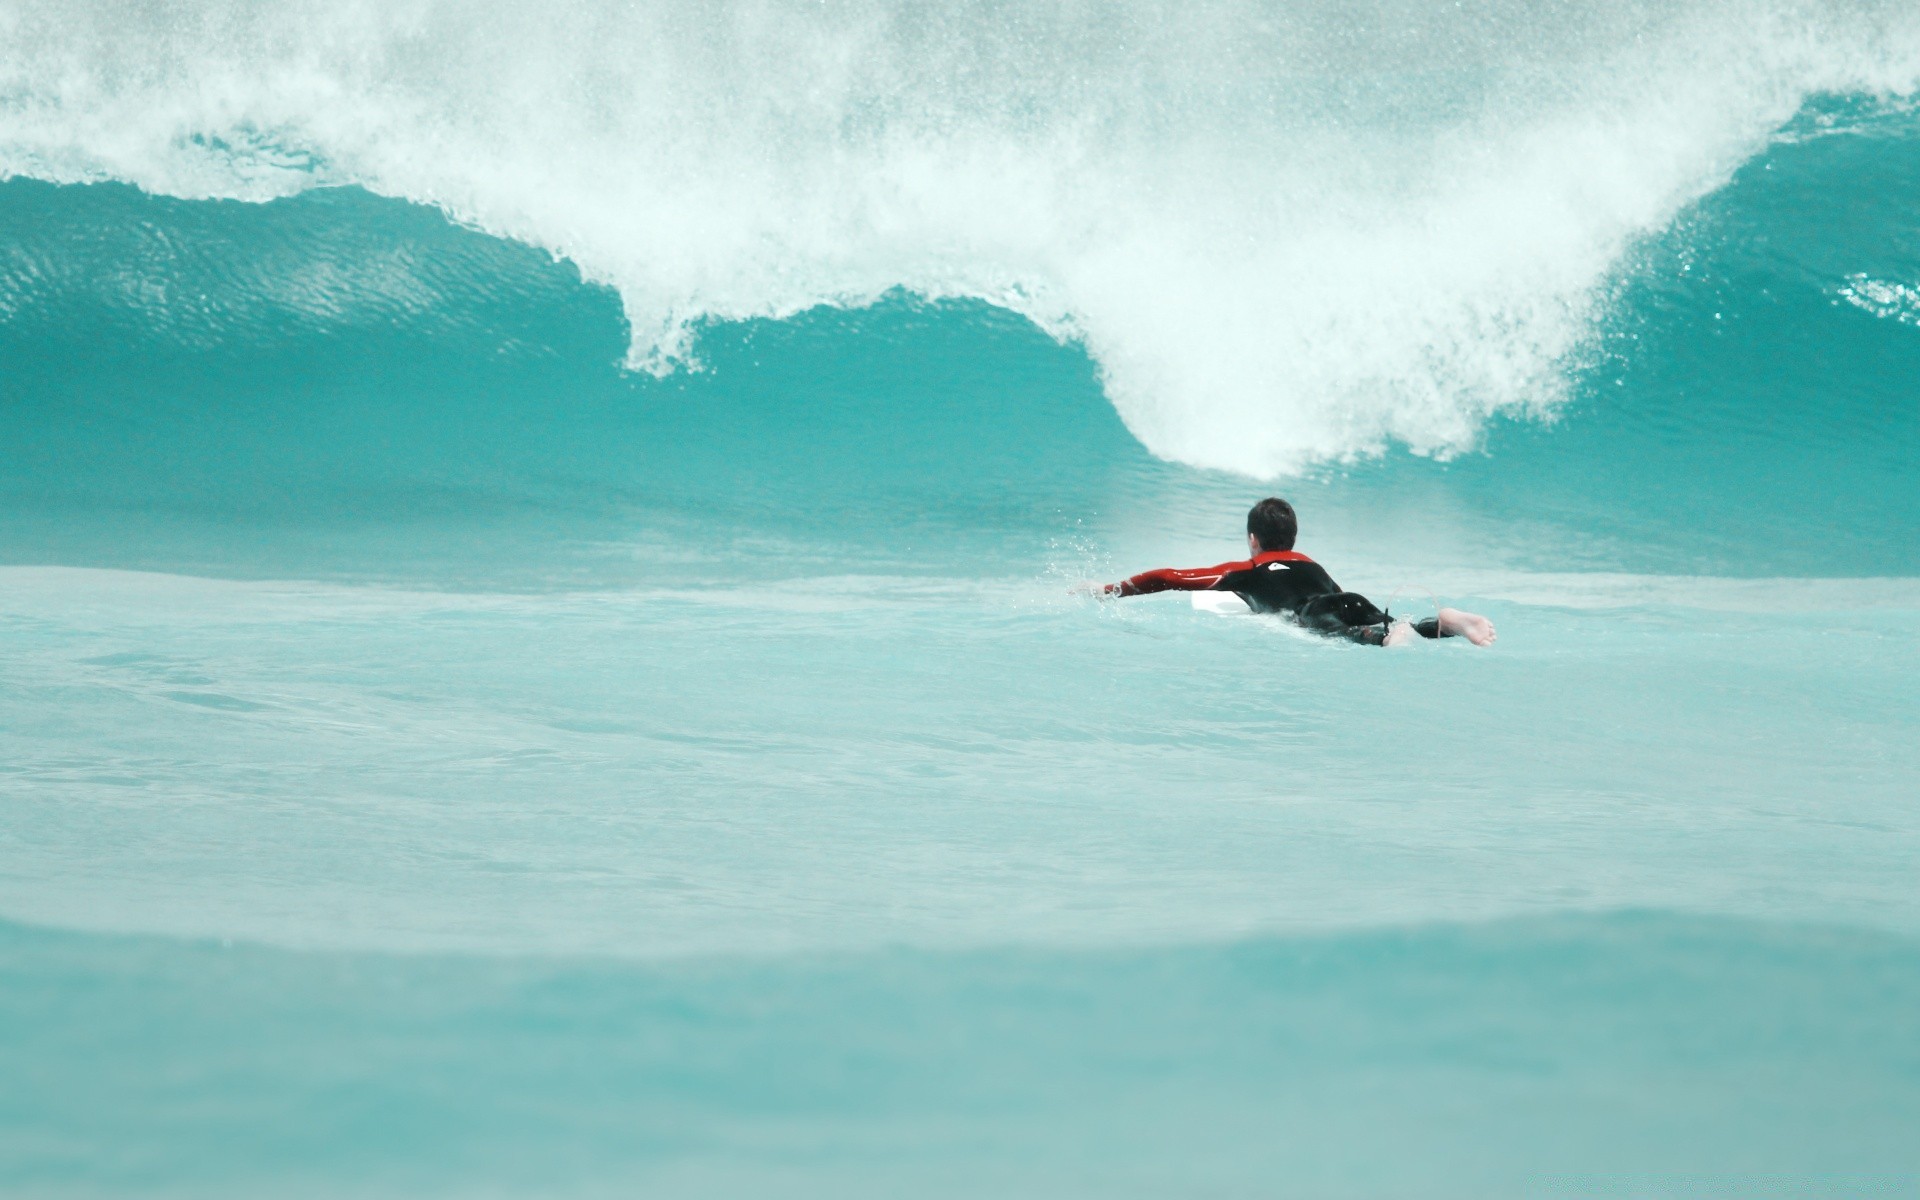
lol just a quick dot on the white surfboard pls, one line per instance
(1224, 603)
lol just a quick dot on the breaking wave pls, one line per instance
(1284, 233)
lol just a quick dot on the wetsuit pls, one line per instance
(1281, 581)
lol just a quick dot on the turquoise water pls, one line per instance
(536, 564)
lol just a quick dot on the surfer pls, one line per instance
(1276, 578)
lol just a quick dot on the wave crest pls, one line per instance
(1284, 234)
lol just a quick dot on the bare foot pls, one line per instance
(1402, 634)
(1471, 626)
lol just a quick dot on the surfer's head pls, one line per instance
(1272, 525)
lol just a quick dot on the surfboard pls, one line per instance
(1225, 604)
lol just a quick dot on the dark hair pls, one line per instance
(1272, 524)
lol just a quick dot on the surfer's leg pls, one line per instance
(1350, 616)
(1355, 618)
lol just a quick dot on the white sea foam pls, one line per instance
(1285, 232)
(1891, 301)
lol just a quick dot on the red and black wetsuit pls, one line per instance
(1281, 581)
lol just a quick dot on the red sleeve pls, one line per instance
(1169, 579)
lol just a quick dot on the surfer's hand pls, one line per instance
(1094, 588)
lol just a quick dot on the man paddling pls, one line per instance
(1279, 579)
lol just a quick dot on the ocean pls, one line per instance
(542, 564)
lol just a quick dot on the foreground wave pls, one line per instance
(1645, 1054)
(750, 763)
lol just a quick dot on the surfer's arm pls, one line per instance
(1172, 579)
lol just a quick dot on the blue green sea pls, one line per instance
(539, 643)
